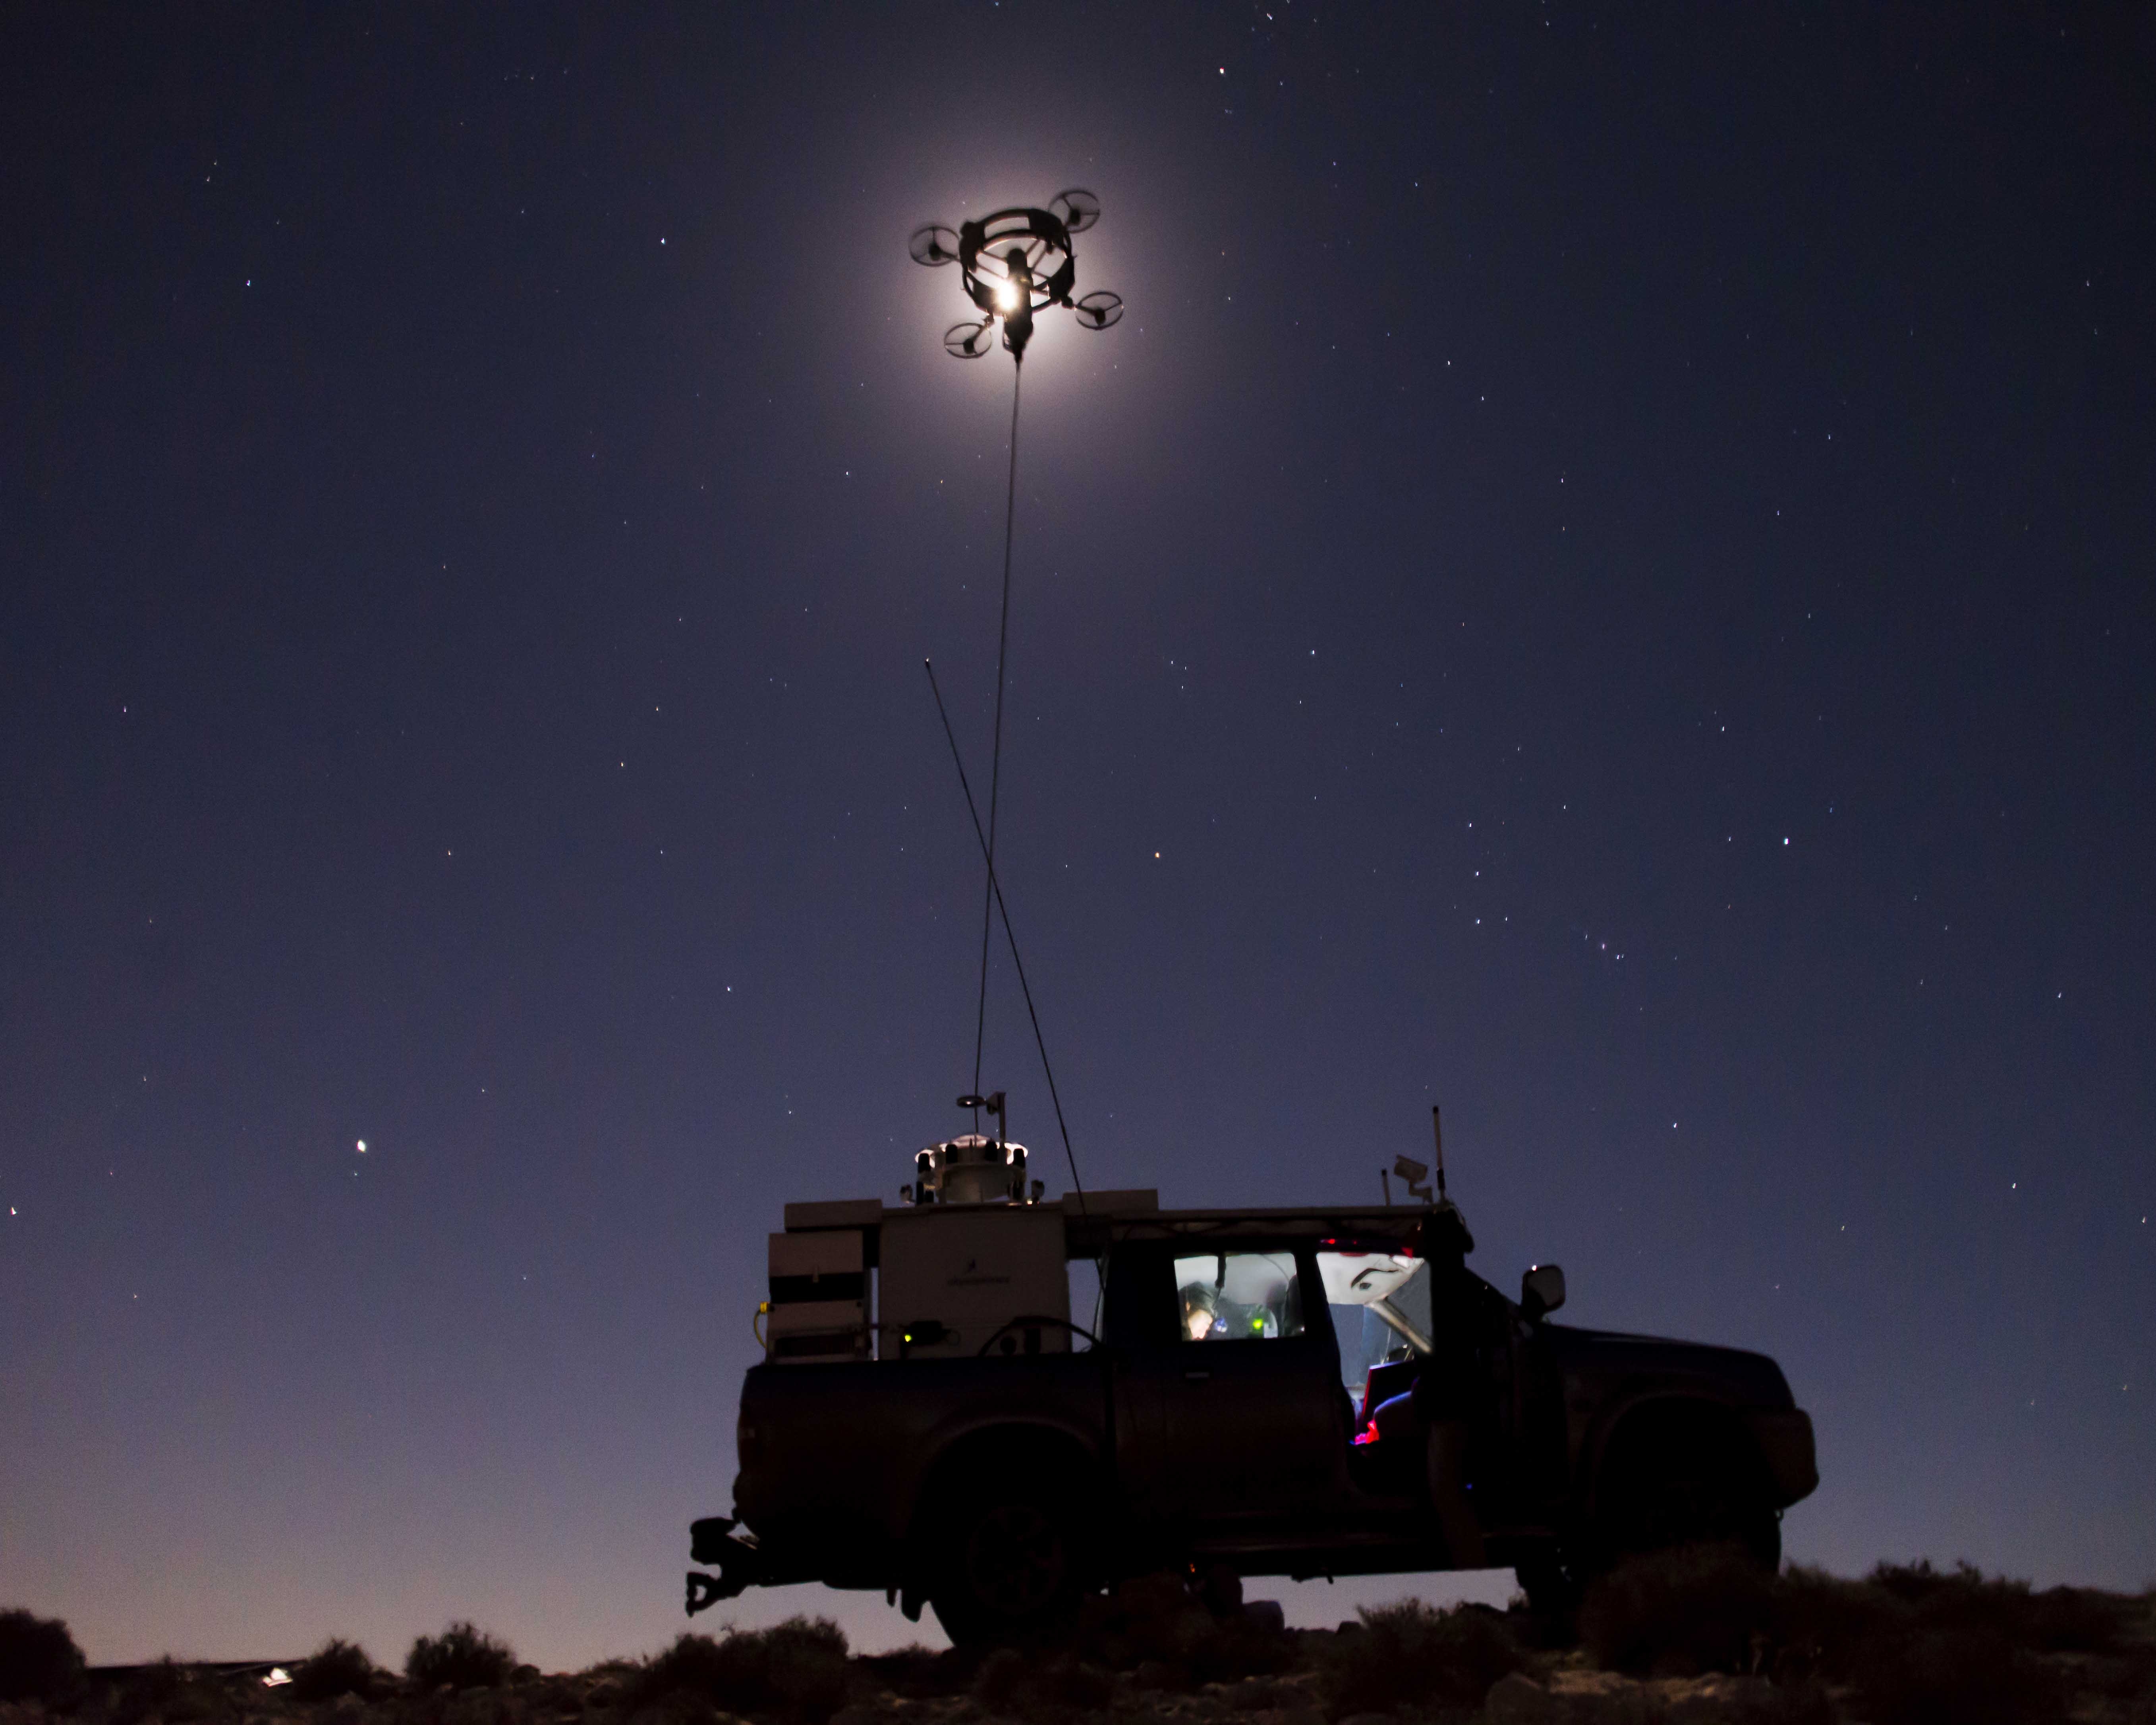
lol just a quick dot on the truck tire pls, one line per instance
(1009, 1566)
(1682, 1471)
(1692, 1496)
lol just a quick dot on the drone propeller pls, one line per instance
(933, 245)
(1077, 208)
(969, 341)
(1099, 311)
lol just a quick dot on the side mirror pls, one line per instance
(1542, 1291)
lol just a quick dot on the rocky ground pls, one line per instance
(1685, 1639)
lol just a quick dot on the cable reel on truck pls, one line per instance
(972, 1168)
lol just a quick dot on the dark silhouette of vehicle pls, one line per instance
(1256, 1390)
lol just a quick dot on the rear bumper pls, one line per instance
(1786, 1445)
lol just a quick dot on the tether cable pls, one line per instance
(1018, 964)
(990, 897)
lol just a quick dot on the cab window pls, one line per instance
(1238, 1296)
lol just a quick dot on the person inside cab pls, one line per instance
(1201, 1311)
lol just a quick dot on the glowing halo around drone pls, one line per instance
(1014, 263)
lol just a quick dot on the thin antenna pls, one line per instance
(996, 760)
(1437, 1128)
(995, 888)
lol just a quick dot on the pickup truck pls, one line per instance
(932, 1422)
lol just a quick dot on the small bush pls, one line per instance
(1955, 1676)
(1411, 1654)
(2080, 1620)
(461, 1657)
(1012, 1683)
(1929, 1646)
(1821, 1620)
(1228, 1649)
(602, 1685)
(38, 1658)
(1149, 1619)
(1963, 1598)
(171, 1692)
(1157, 1621)
(334, 1668)
(1074, 1683)
(2061, 1620)
(1002, 1675)
(919, 1673)
(695, 1664)
(797, 1669)
(1677, 1613)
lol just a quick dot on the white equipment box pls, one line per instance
(819, 1298)
(972, 1268)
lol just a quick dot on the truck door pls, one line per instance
(1234, 1398)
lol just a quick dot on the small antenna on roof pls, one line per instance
(1413, 1174)
(993, 1104)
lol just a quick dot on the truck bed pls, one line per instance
(833, 1456)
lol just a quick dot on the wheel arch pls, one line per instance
(1666, 1420)
(1041, 1449)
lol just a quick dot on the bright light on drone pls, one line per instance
(1014, 263)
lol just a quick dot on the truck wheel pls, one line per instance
(1009, 1571)
(1701, 1503)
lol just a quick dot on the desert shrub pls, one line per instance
(461, 1657)
(1957, 1647)
(1963, 1598)
(1954, 1676)
(38, 1658)
(2061, 1620)
(1035, 1686)
(1676, 1613)
(1803, 1703)
(334, 1668)
(1147, 1618)
(1413, 1655)
(1922, 1646)
(1226, 1649)
(695, 1664)
(796, 1669)
(1157, 1621)
(169, 1690)
(1002, 1675)
(2080, 1620)
(602, 1687)
(1820, 1620)
(1074, 1683)
(919, 1673)
(805, 1667)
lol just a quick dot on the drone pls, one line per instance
(1014, 262)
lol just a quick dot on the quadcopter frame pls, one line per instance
(1014, 262)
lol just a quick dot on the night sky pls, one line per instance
(1603, 581)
